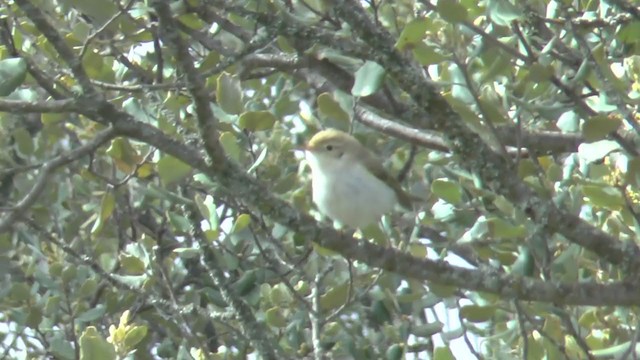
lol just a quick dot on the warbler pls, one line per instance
(350, 185)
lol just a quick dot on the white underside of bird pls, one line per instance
(348, 193)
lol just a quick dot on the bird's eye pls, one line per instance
(329, 147)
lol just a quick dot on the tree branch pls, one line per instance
(207, 122)
(50, 106)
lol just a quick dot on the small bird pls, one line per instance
(349, 183)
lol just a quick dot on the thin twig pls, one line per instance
(115, 17)
(45, 173)
(58, 42)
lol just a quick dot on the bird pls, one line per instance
(349, 183)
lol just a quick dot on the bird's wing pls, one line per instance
(375, 167)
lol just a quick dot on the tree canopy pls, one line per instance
(154, 202)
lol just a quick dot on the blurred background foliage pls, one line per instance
(102, 253)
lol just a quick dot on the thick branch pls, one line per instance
(51, 106)
(206, 120)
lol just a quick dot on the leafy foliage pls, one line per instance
(154, 206)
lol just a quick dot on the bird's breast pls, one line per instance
(353, 196)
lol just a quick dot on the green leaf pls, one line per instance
(443, 353)
(34, 317)
(554, 172)
(632, 175)
(23, 141)
(94, 347)
(492, 111)
(600, 54)
(394, 352)
(229, 94)
(134, 336)
(246, 283)
(107, 205)
(447, 190)
(52, 306)
(479, 229)
(527, 167)
(50, 119)
(139, 110)
(275, 318)
(88, 287)
(539, 73)
(286, 183)
(97, 10)
(13, 72)
(568, 122)
(257, 120)
(588, 319)
(599, 127)
(134, 281)
(199, 200)
(69, 273)
(443, 211)
(61, 348)
(93, 63)
(451, 11)
(117, 148)
(170, 169)
(330, 108)
(418, 250)
(368, 79)
(209, 61)
(191, 20)
(179, 222)
(230, 145)
(374, 233)
(319, 249)
(616, 351)
(537, 351)
(20, 292)
(280, 295)
(565, 265)
(412, 34)
(242, 221)
(503, 12)
(502, 229)
(92, 314)
(427, 55)
(595, 151)
(380, 313)
(427, 330)
(499, 67)
(524, 264)
(258, 161)
(477, 314)
(335, 297)
(132, 265)
(604, 196)
(630, 32)
(214, 220)
(187, 253)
